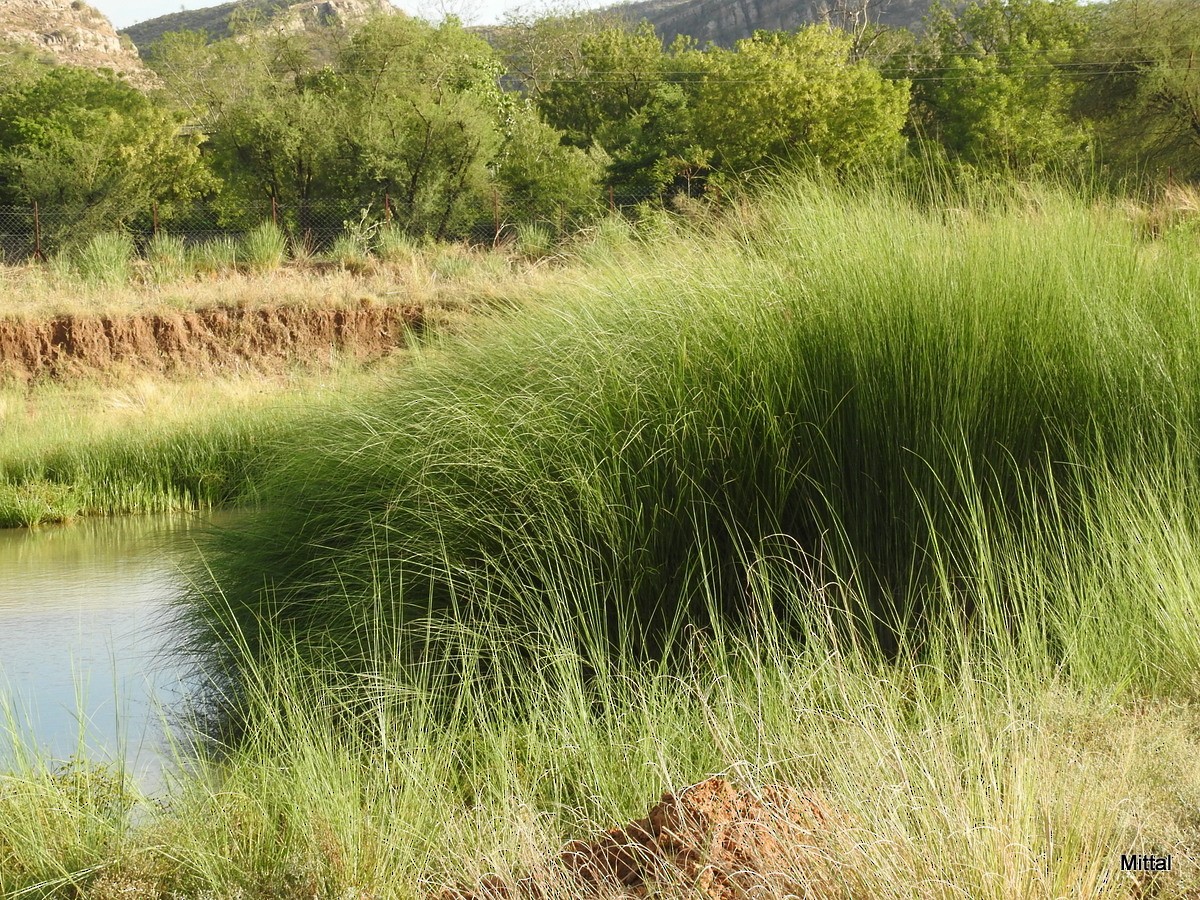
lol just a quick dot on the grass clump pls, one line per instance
(264, 248)
(988, 781)
(106, 259)
(535, 240)
(149, 445)
(396, 247)
(215, 255)
(891, 500)
(169, 466)
(349, 252)
(168, 258)
(897, 418)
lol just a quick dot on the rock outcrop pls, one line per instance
(215, 21)
(724, 21)
(72, 33)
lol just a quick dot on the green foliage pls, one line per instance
(93, 149)
(20, 67)
(796, 98)
(614, 77)
(617, 92)
(402, 107)
(659, 145)
(543, 179)
(1144, 93)
(668, 120)
(427, 118)
(349, 253)
(323, 121)
(542, 50)
(993, 400)
(995, 86)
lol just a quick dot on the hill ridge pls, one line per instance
(72, 33)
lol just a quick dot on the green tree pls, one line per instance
(95, 150)
(427, 116)
(274, 116)
(994, 85)
(399, 107)
(542, 178)
(1144, 93)
(614, 75)
(540, 51)
(656, 146)
(796, 98)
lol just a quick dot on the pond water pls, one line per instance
(84, 661)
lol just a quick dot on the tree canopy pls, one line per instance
(94, 147)
(565, 114)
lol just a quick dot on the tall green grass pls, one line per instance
(106, 258)
(168, 258)
(214, 256)
(197, 465)
(152, 445)
(264, 248)
(925, 406)
(990, 782)
(900, 496)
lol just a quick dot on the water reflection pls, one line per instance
(83, 637)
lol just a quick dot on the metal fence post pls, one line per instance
(37, 233)
(387, 208)
(612, 201)
(495, 216)
(154, 209)
(274, 211)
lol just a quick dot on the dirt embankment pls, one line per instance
(201, 340)
(707, 841)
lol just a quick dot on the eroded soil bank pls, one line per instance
(709, 841)
(202, 340)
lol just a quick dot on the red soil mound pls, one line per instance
(708, 840)
(201, 340)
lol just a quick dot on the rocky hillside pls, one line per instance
(71, 32)
(215, 21)
(724, 21)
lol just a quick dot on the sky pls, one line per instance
(124, 13)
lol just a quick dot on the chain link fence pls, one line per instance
(39, 231)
